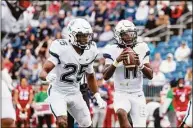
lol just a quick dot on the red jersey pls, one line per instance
(110, 91)
(181, 98)
(23, 94)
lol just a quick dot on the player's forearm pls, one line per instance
(108, 71)
(147, 71)
(92, 83)
(43, 75)
(48, 66)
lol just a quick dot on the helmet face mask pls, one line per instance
(128, 37)
(83, 40)
(126, 33)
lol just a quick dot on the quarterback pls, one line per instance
(69, 60)
(129, 96)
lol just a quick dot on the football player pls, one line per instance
(14, 19)
(8, 115)
(129, 96)
(69, 60)
(23, 96)
(181, 96)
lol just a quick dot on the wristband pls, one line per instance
(115, 63)
(141, 66)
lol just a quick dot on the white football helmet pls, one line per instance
(80, 33)
(126, 33)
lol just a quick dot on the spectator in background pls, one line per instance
(142, 9)
(43, 48)
(24, 71)
(106, 36)
(168, 65)
(188, 76)
(159, 78)
(151, 22)
(28, 59)
(33, 40)
(155, 64)
(16, 67)
(151, 46)
(40, 98)
(182, 53)
(34, 74)
(162, 19)
(13, 19)
(167, 105)
(54, 8)
(61, 18)
(165, 7)
(8, 51)
(44, 30)
(68, 18)
(130, 10)
(176, 13)
(101, 14)
(152, 7)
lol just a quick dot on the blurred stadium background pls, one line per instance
(166, 26)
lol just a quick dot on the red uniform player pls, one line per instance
(181, 97)
(23, 96)
(111, 117)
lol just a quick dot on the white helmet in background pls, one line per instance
(80, 33)
(126, 33)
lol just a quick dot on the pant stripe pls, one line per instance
(52, 110)
(49, 89)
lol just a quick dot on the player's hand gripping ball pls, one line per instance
(131, 61)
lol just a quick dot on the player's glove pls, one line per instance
(51, 77)
(101, 103)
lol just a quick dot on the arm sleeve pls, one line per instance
(108, 58)
(90, 69)
(107, 54)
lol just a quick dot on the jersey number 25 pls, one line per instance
(72, 70)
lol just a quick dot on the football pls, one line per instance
(130, 61)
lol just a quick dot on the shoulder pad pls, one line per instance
(57, 46)
(93, 48)
(62, 41)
